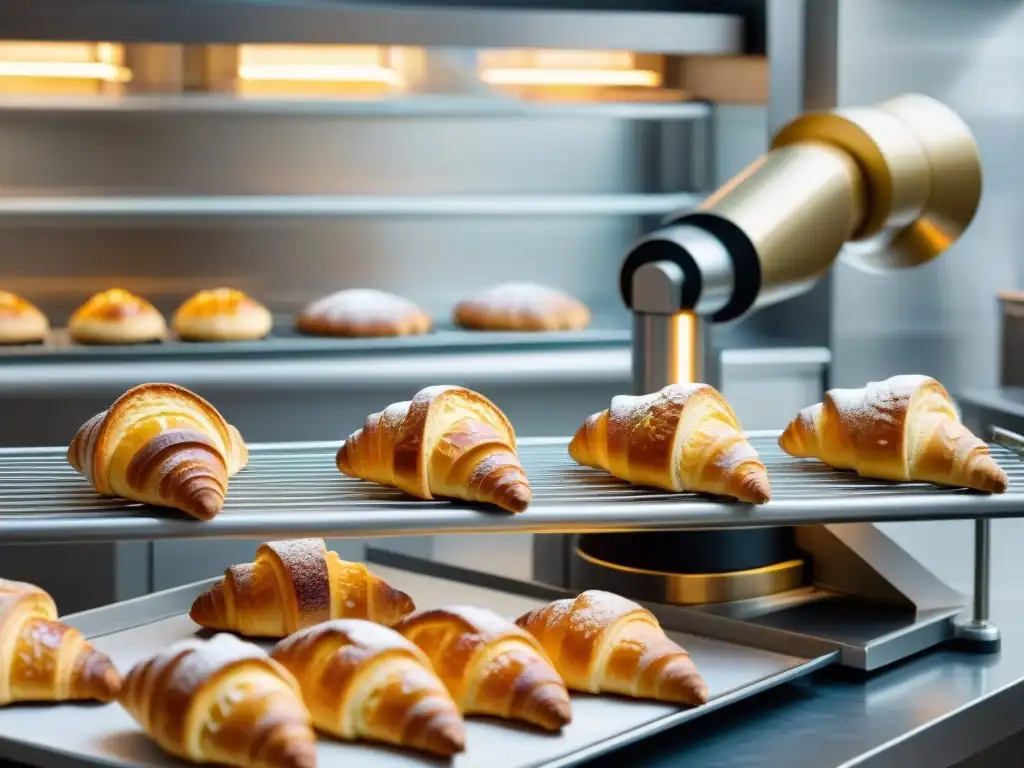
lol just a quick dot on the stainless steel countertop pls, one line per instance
(934, 710)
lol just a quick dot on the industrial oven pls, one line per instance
(290, 149)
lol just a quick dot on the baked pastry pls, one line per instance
(903, 428)
(296, 584)
(221, 701)
(684, 438)
(446, 441)
(117, 317)
(160, 444)
(42, 659)
(603, 643)
(364, 681)
(21, 322)
(522, 307)
(222, 314)
(363, 312)
(490, 666)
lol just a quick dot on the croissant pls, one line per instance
(684, 438)
(364, 681)
(446, 441)
(160, 444)
(221, 701)
(296, 584)
(490, 666)
(903, 428)
(42, 659)
(603, 643)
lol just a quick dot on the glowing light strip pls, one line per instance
(320, 73)
(58, 69)
(622, 77)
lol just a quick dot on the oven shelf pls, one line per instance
(294, 489)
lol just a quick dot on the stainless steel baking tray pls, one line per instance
(76, 735)
(285, 341)
(294, 489)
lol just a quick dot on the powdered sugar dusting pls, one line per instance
(305, 560)
(361, 304)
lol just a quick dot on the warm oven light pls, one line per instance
(572, 77)
(65, 70)
(323, 73)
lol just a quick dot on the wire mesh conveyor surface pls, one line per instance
(294, 489)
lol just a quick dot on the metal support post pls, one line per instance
(980, 635)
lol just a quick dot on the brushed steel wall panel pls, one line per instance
(167, 152)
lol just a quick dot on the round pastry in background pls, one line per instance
(363, 312)
(117, 316)
(21, 322)
(522, 307)
(222, 314)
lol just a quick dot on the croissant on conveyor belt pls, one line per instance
(604, 643)
(296, 584)
(904, 428)
(684, 438)
(42, 659)
(364, 681)
(160, 444)
(221, 701)
(491, 666)
(446, 441)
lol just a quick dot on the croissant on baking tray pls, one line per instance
(221, 701)
(603, 643)
(296, 584)
(684, 438)
(364, 681)
(490, 666)
(42, 659)
(160, 444)
(447, 441)
(904, 428)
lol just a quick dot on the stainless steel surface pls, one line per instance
(712, 259)
(672, 349)
(397, 23)
(15, 209)
(130, 632)
(285, 479)
(931, 712)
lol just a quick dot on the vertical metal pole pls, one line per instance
(672, 349)
(980, 634)
(982, 562)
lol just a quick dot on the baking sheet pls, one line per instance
(285, 340)
(77, 734)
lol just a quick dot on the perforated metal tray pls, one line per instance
(294, 489)
(129, 632)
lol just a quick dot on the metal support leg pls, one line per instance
(979, 635)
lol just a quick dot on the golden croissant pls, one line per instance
(603, 643)
(446, 441)
(364, 681)
(42, 659)
(491, 666)
(296, 584)
(221, 701)
(684, 438)
(160, 444)
(904, 428)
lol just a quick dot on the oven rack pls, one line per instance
(294, 489)
(284, 340)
